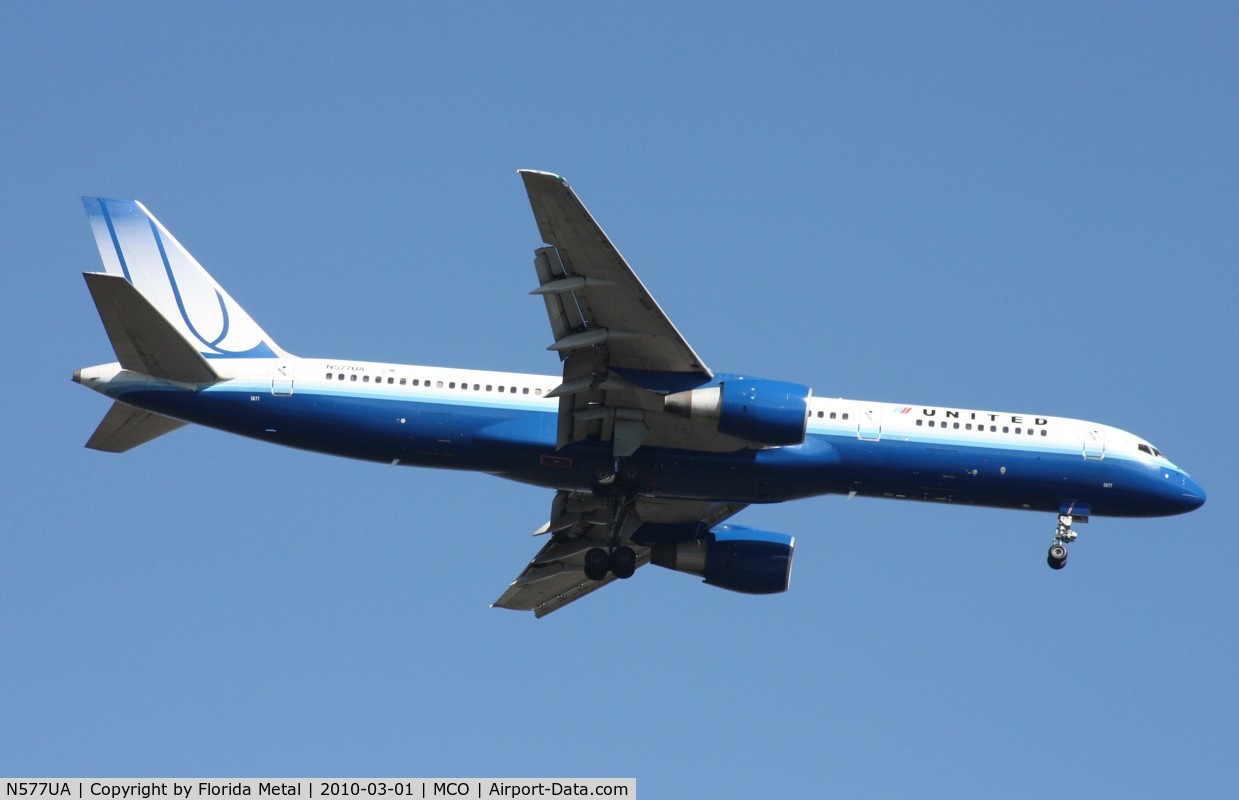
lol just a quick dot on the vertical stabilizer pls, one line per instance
(133, 245)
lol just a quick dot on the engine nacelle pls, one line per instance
(755, 410)
(733, 557)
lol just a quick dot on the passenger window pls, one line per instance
(402, 381)
(438, 384)
(955, 426)
(538, 392)
(1017, 430)
(365, 378)
(353, 377)
(920, 422)
(525, 390)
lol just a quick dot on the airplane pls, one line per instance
(649, 451)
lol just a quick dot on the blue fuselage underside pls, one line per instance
(519, 444)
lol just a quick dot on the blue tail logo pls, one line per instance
(133, 244)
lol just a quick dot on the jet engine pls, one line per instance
(733, 557)
(759, 411)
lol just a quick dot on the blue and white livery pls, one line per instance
(650, 452)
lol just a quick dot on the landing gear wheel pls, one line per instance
(604, 476)
(628, 474)
(597, 563)
(1057, 557)
(624, 562)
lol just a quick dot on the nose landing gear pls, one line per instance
(1064, 535)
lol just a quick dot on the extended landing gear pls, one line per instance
(1064, 535)
(604, 476)
(622, 562)
(617, 558)
(597, 564)
(619, 478)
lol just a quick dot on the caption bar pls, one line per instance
(326, 788)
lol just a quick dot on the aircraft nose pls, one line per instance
(1193, 496)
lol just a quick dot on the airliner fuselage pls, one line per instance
(503, 424)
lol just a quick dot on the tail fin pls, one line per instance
(133, 245)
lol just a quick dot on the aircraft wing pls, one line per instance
(621, 354)
(592, 295)
(579, 521)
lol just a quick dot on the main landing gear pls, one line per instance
(621, 561)
(616, 558)
(1063, 536)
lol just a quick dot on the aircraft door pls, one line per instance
(1095, 444)
(282, 378)
(869, 423)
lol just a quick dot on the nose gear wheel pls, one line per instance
(1063, 535)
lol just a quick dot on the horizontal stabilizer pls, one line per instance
(143, 338)
(125, 427)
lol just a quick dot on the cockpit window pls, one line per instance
(1150, 449)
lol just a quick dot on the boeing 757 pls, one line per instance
(649, 451)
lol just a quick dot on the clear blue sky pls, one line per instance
(1030, 209)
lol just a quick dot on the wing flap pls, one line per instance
(620, 353)
(546, 586)
(555, 576)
